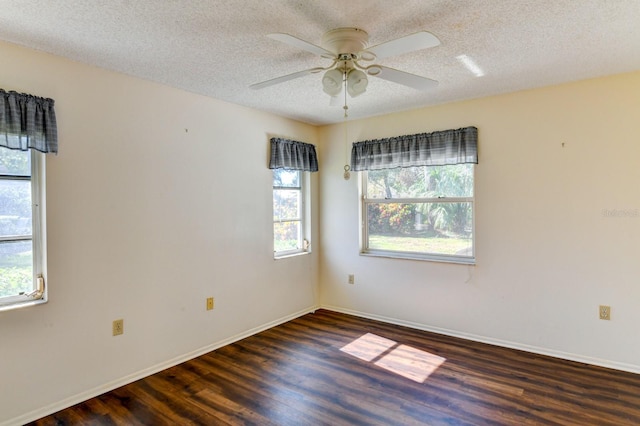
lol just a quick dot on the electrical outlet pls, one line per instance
(209, 303)
(352, 279)
(118, 327)
(605, 312)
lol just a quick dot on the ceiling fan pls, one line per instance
(352, 60)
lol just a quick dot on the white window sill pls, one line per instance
(21, 305)
(288, 255)
(417, 256)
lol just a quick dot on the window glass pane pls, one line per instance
(287, 236)
(14, 162)
(286, 204)
(437, 228)
(16, 266)
(15, 207)
(421, 182)
(286, 178)
(288, 212)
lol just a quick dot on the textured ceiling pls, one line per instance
(218, 48)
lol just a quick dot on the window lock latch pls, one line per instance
(39, 291)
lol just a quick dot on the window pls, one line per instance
(421, 212)
(289, 212)
(21, 239)
(291, 162)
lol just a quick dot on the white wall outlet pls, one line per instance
(351, 279)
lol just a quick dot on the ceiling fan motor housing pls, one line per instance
(345, 41)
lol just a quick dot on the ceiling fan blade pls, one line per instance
(405, 78)
(410, 43)
(301, 44)
(284, 78)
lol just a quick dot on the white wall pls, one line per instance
(145, 220)
(546, 254)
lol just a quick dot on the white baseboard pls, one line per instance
(630, 368)
(99, 390)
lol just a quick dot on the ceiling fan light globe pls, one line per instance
(356, 83)
(332, 82)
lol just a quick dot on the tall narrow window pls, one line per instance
(291, 162)
(28, 130)
(21, 238)
(288, 212)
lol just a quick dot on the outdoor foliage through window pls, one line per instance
(425, 210)
(16, 256)
(287, 211)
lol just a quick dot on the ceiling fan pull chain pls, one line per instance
(345, 107)
(347, 167)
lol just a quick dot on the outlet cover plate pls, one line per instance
(118, 327)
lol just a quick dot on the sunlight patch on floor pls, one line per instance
(368, 347)
(404, 360)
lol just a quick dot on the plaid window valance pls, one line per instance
(425, 149)
(27, 122)
(293, 155)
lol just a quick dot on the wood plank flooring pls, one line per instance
(328, 368)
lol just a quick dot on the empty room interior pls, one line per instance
(220, 170)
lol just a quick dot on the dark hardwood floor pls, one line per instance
(328, 368)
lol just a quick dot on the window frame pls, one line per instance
(365, 250)
(304, 244)
(38, 291)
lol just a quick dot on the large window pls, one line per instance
(289, 211)
(422, 212)
(20, 227)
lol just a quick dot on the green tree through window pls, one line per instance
(16, 248)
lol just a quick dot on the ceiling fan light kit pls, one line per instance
(347, 48)
(356, 82)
